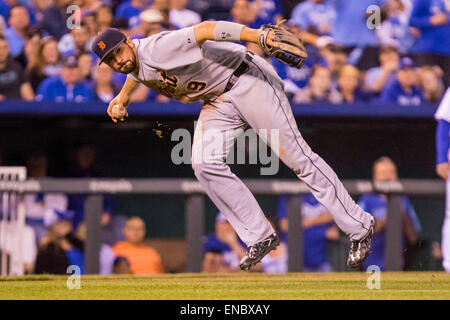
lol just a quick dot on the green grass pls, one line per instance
(294, 286)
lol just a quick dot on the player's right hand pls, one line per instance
(442, 170)
(123, 103)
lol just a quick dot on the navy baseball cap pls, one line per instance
(406, 63)
(106, 42)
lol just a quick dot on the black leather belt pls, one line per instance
(243, 67)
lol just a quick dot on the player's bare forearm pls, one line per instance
(205, 31)
(124, 95)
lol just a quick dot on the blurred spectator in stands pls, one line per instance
(59, 249)
(294, 79)
(180, 17)
(93, 5)
(163, 6)
(6, 5)
(350, 29)
(211, 9)
(85, 64)
(122, 25)
(335, 58)
(385, 170)
(151, 22)
(13, 81)
(121, 265)
(67, 87)
(241, 13)
(45, 63)
(403, 89)
(19, 23)
(50, 18)
(431, 17)
(143, 259)
(223, 250)
(106, 254)
(318, 89)
(76, 41)
(265, 12)
(90, 19)
(318, 228)
(276, 261)
(430, 79)
(83, 166)
(31, 46)
(104, 17)
(395, 29)
(314, 16)
(348, 90)
(130, 10)
(42, 209)
(104, 89)
(375, 78)
(315, 19)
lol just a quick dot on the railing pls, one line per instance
(194, 209)
(174, 108)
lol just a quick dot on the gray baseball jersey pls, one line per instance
(172, 63)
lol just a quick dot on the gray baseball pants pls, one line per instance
(257, 100)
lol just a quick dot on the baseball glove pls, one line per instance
(287, 47)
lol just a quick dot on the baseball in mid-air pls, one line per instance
(118, 111)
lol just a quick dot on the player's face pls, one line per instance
(122, 59)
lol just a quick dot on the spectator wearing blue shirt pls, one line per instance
(131, 10)
(51, 19)
(319, 88)
(432, 18)
(402, 89)
(224, 249)
(315, 19)
(19, 23)
(315, 16)
(268, 12)
(350, 30)
(376, 78)
(294, 78)
(66, 87)
(318, 228)
(6, 5)
(395, 29)
(385, 170)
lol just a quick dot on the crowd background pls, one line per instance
(397, 51)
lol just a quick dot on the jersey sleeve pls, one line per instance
(176, 49)
(443, 111)
(442, 141)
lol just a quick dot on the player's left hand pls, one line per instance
(442, 170)
(282, 44)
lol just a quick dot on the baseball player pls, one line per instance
(442, 116)
(238, 89)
